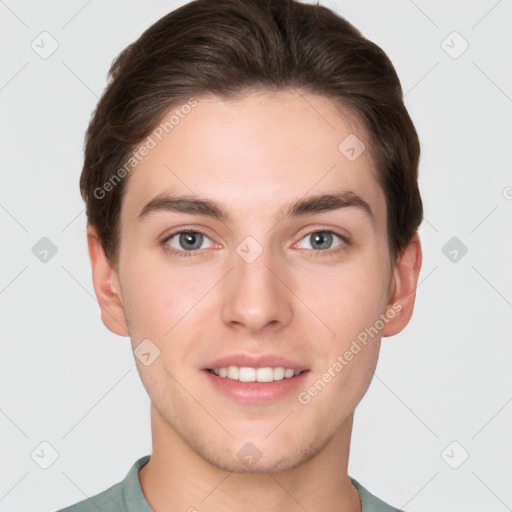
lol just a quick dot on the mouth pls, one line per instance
(256, 385)
(250, 374)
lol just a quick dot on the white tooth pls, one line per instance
(265, 374)
(279, 373)
(232, 372)
(247, 374)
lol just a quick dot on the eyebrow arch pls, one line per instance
(305, 206)
(329, 202)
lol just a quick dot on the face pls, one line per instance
(256, 270)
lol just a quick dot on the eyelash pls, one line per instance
(196, 252)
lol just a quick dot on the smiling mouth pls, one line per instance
(248, 374)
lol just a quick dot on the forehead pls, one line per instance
(260, 149)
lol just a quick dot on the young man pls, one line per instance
(250, 177)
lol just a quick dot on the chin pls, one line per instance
(261, 457)
(266, 464)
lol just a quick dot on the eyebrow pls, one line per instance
(185, 203)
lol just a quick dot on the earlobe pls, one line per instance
(106, 286)
(405, 280)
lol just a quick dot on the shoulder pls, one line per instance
(109, 500)
(370, 502)
(124, 496)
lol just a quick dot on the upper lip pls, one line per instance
(255, 361)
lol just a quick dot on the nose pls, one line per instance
(255, 295)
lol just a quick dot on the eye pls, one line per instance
(323, 240)
(187, 241)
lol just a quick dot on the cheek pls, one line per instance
(347, 299)
(350, 306)
(161, 296)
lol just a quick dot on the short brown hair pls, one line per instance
(227, 48)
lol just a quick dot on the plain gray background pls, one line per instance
(442, 390)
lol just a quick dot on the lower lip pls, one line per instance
(256, 392)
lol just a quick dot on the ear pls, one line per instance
(405, 280)
(106, 286)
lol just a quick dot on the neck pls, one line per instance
(178, 478)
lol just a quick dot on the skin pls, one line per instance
(254, 156)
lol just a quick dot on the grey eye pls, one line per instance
(187, 240)
(321, 240)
